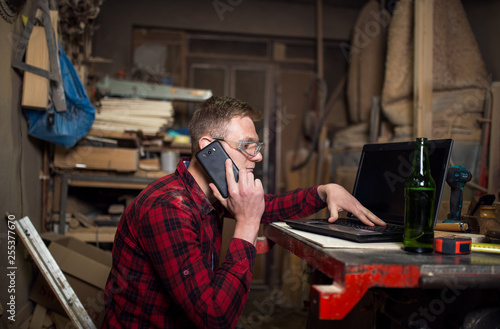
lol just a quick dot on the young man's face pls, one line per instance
(241, 129)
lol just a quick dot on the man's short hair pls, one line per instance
(213, 115)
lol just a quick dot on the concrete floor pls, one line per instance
(399, 306)
(263, 312)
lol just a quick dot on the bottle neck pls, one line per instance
(421, 159)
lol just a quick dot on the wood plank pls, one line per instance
(106, 126)
(36, 88)
(83, 220)
(422, 84)
(96, 234)
(98, 158)
(47, 322)
(25, 324)
(494, 156)
(103, 184)
(128, 135)
(59, 320)
(38, 317)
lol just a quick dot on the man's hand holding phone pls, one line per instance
(245, 201)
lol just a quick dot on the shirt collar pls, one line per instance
(194, 190)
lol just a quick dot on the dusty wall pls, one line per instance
(265, 18)
(20, 165)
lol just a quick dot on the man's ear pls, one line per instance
(204, 141)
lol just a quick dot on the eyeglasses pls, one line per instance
(249, 148)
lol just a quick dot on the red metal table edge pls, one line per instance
(350, 283)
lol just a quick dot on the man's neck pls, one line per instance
(199, 175)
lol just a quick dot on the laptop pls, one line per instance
(379, 186)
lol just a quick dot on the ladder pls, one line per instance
(53, 274)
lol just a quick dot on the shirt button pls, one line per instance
(185, 272)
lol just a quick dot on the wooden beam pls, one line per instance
(422, 84)
(319, 17)
(494, 156)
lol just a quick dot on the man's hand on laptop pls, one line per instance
(338, 199)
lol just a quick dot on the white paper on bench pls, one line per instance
(331, 242)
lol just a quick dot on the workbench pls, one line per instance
(356, 270)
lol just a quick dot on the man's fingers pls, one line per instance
(229, 171)
(376, 220)
(250, 178)
(372, 217)
(217, 194)
(334, 214)
(369, 218)
(232, 185)
(258, 183)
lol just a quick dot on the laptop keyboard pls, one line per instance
(359, 224)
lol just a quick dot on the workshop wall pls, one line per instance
(20, 166)
(116, 19)
(288, 19)
(483, 17)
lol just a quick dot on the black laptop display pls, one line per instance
(382, 172)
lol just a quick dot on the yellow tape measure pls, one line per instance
(486, 247)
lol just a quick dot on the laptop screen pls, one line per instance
(382, 172)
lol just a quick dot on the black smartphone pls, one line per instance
(212, 159)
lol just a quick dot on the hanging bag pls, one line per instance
(68, 127)
(70, 115)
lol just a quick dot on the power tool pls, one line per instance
(457, 177)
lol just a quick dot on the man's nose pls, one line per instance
(257, 158)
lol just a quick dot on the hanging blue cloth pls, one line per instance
(68, 127)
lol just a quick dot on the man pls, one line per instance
(166, 271)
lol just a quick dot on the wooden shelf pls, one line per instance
(96, 180)
(119, 182)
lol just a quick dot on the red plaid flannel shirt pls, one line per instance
(166, 271)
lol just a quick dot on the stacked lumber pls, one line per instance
(126, 114)
(102, 228)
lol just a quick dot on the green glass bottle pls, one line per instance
(420, 191)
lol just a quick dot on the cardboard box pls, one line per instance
(86, 268)
(97, 158)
